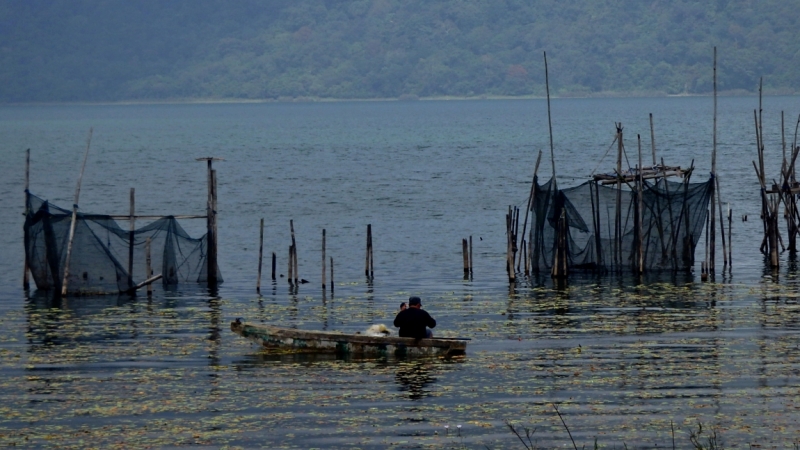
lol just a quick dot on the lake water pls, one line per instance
(628, 363)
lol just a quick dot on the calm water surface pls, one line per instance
(626, 361)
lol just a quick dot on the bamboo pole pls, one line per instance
(653, 140)
(131, 237)
(291, 252)
(323, 259)
(371, 256)
(639, 213)
(618, 216)
(530, 201)
(713, 233)
(332, 283)
(25, 283)
(74, 219)
(146, 282)
(260, 254)
(705, 259)
(470, 255)
(211, 220)
(293, 256)
(722, 226)
(148, 268)
(465, 257)
(730, 236)
(274, 265)
(368, 253)
(549, 119)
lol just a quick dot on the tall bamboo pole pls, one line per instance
(530, 201)
(639, 213)
(211, 220)
(713, 233)
(618, 216)
(653, 140)
(74, 217)
(549, 120)
(25, 284)
(323, 259)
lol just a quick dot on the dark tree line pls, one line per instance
(101, 50)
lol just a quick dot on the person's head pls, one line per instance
(403, 306)
(415, 302)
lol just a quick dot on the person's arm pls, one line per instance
(398, 322)
(431, 321)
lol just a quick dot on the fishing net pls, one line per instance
(105, 258)
(596, 227)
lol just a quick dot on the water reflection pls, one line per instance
(414, 378)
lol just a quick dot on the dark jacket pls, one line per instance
(412, 322)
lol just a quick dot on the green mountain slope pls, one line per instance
(108, 50)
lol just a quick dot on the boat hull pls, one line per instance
(346, 344)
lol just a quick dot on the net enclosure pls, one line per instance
(106, 258)
(600, 227)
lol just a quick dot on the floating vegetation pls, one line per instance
(623, 363)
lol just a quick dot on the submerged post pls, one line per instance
(74, 217)
(323, 259)
(274, 264)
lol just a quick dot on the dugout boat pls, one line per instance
(274, 337)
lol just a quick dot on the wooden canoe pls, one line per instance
(346, 344)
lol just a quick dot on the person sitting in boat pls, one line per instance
(414, 321)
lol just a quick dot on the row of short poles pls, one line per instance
(293, 271)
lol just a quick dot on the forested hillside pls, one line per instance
(110, 50)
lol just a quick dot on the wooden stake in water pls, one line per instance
(132, 238)
(148, 268)
(470, 254)
(465, 257)
(74, 217)
(332, 283)
(640, 213)
(260, 255)
(323, 259)
(368, 266)
(293, 255)
(274, 265)
(730, 237)
(25, 283)
(531, 197)
(713, 232)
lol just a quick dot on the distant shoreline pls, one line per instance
(207, 101)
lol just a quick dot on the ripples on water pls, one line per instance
(626, 361)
